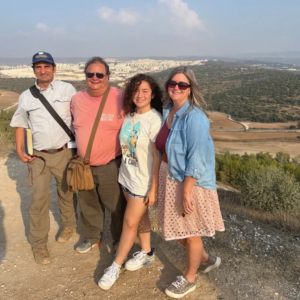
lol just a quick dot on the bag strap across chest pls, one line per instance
(37, 94)
(95, 127)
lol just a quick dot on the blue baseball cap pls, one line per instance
(43, 57)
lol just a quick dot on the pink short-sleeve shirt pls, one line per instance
(106, 144)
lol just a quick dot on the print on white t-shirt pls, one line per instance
(136, 137)
(129, 136)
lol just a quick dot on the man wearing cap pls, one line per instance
(50, 143)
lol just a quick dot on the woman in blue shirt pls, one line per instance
(188, 206)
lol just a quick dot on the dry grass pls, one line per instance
(254, 136)
(281, 126)
(231, 203)
(253, 147)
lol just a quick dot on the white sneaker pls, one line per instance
(139, 260)
(110, 276)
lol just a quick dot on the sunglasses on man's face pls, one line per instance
(181, 85)
(92, 74)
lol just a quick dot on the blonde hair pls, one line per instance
(195, 98)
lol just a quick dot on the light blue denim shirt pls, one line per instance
(189, 146)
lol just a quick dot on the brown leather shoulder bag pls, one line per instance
(79, 174)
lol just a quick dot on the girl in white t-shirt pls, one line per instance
(138, 174)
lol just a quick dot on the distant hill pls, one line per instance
(11, 61)
(14, 61)
(245, 92)
(270, 54)
(287, 57)
(248, 93)
(19, 85)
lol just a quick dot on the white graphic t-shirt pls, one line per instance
(137, 135)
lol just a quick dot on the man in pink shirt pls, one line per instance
(105, 157)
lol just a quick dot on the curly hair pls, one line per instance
(130, 88)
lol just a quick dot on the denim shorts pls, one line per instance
(124, 189)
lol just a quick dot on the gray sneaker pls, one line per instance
(86, 246)
(180, 287)
(212, 263)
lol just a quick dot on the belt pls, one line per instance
(117, 157)
(164, 157)
(53, 151)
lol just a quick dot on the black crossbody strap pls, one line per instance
(36, 93)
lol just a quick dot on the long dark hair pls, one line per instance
(130, 88)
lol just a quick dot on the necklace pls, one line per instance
(170, 120)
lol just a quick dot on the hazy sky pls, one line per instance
(115, 28)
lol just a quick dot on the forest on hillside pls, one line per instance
(247, 93)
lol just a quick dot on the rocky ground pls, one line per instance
(258, 262)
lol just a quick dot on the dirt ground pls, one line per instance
(258, 262)
(7, 99)
(254, 136)
(221, 121)
(281, 126)
(253, 147)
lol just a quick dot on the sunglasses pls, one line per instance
(92, 74)
(181, 85)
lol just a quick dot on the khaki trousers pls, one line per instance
(106, 193)
(39, 182)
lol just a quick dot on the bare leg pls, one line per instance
(144, 232)
(204, 257)
(182, 242)
(194, 252)
(145, 241)
(135, 209)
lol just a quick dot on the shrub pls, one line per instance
(270, 189)
(282, 157)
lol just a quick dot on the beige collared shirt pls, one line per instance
(31, 113)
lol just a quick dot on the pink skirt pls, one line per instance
(205, 220)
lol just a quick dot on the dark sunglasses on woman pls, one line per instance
(92, 74)
(181, 85)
